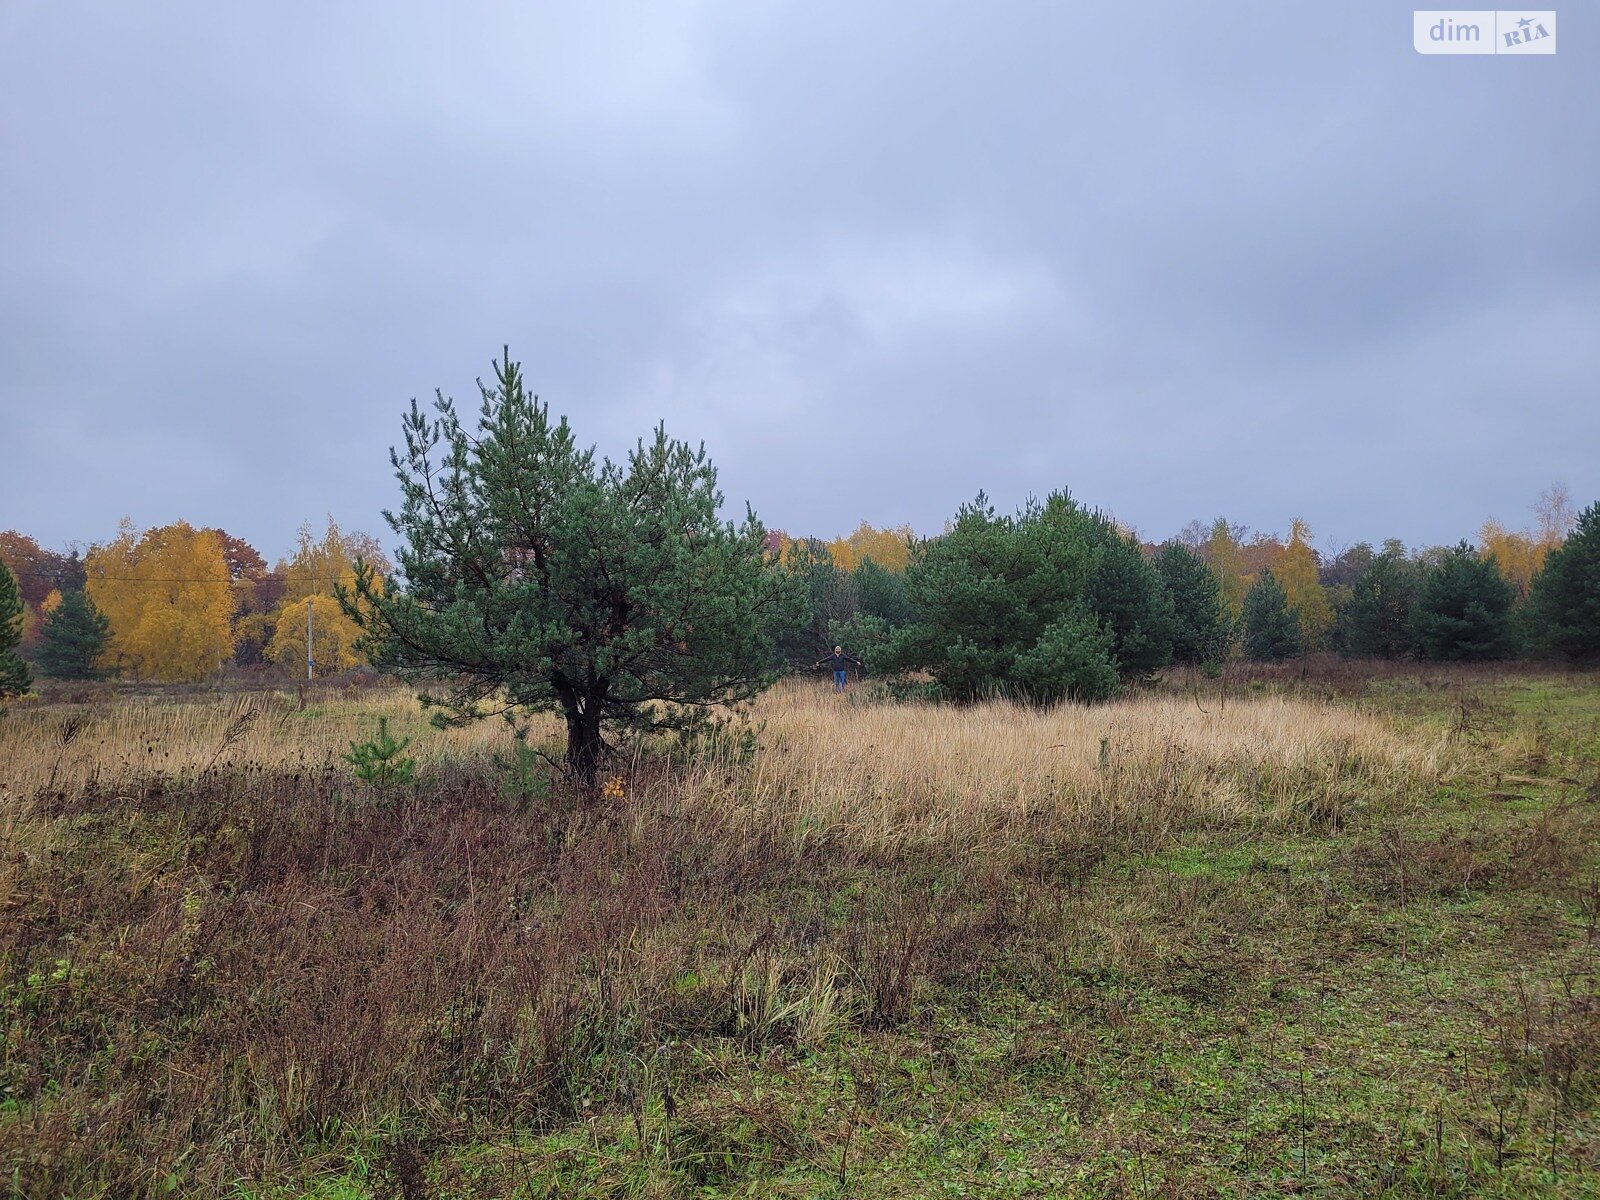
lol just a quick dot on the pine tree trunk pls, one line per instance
(584, 746)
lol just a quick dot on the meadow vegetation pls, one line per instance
(1295, 929)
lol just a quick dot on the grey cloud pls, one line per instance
(1259, 260)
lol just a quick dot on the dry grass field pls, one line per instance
(884, 775)
(1276, 935)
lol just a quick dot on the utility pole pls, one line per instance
(308, 636)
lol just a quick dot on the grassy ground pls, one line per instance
(1329, 935)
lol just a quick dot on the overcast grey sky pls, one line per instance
(1257, 259)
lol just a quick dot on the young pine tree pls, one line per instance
(15, 678)
(536, 578)
(1376, 622)
(1201, 629)
(1564, 608)
(73, 638)
(1268, 627)
(1463, 609)
(882, 594)
(883, 607)
(830, 594)
(1051, 604)
(1129, 596)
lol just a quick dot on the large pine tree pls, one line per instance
(1564, 609)
(1268, 627)
(1129, 596)
(1376, 621)
(1463, 609)
(1053, 603)
(536, 578)
(1201, 632)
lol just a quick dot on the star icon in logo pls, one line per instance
(1525, 22)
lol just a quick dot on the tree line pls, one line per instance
(177, 603)
(1054, 601)
(1057, 601)
(543, 575)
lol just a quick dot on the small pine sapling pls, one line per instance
(380, 762)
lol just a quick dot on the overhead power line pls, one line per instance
(144, 579)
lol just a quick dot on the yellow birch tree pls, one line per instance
(1296, 572)
(168, 597)
(889, 548)
(1520, 554)
(317, 566)
(333, 636)
(1225, 556)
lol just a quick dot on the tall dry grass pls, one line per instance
(883, 777)
(891, 778)
(70, 745)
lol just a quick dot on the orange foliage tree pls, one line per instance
(31, 563)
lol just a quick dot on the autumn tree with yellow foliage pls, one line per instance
(1520, 554)
(168, 597)
(318, 564)
(1223, 551)
(333, 637)
(1296, 573)
(889, 548)
(310, 576)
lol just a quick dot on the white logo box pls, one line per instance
(1483, 31)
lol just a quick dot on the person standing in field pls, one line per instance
(840, 662)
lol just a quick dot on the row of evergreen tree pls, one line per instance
(1056, 601)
